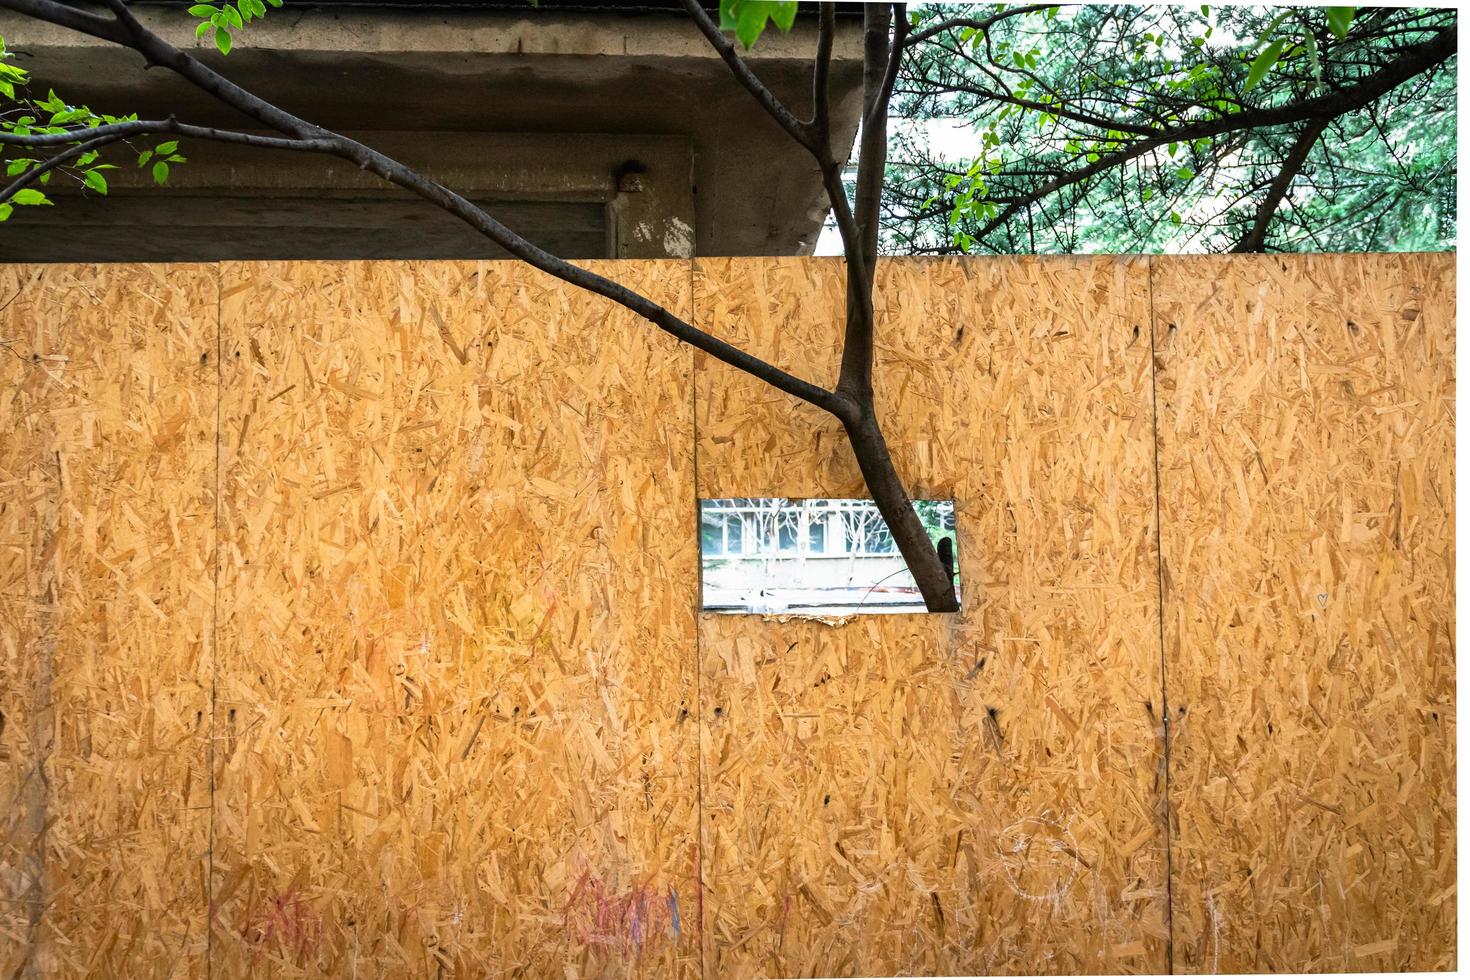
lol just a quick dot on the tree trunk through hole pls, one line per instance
(934, 580)
(885, 29)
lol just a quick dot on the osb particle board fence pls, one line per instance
(107, 509)
(955, 795)
(1306, 449)
(360, 598)
(453, 659)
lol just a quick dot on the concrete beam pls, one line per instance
(343, 30)
(453, 77)
(274, 205)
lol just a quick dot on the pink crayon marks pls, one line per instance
(285, 922)
(621, 920)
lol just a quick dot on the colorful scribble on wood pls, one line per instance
(285, 923)
(603, 914)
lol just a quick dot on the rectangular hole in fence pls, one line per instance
(812, 557)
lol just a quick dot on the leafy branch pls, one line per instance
(84, 134)
(225, 18)
(850, 401)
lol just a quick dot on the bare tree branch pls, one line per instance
(65, 15)
(1255, 239)
(127, 130)
(978, 24)
(318, 139)
(859, 241)
(1417, 58)
(743, 74)
(822, 77)
(883, 49)
(1055, 108)
(125, 17)
(86, 139)
(873, 158)
(819, 144)
(854, 408)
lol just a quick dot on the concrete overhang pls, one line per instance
(531, 109)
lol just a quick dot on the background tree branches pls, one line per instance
(1133, 128)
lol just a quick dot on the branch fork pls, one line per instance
(850, 401)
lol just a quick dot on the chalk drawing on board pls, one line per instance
(1040, 859)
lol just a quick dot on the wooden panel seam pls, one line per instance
(1166, 709)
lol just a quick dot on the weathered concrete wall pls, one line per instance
(559, 191)
(527, 107)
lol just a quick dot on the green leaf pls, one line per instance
(1263, 63)
(202, 29)
(747, 18)
(1270, 29)
(1184, 173)
(164, 149)
(232, 15)
(1174, 217)
(783, 16)
(1313, 59)
(14, 167)
(144, 157)
(1340, 19)
(95, 181)
(27, 195)
(5, 211)
(160, 172)
(203, 10)
(222, 40)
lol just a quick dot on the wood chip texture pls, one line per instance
(1306, 452)
(349, 624)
